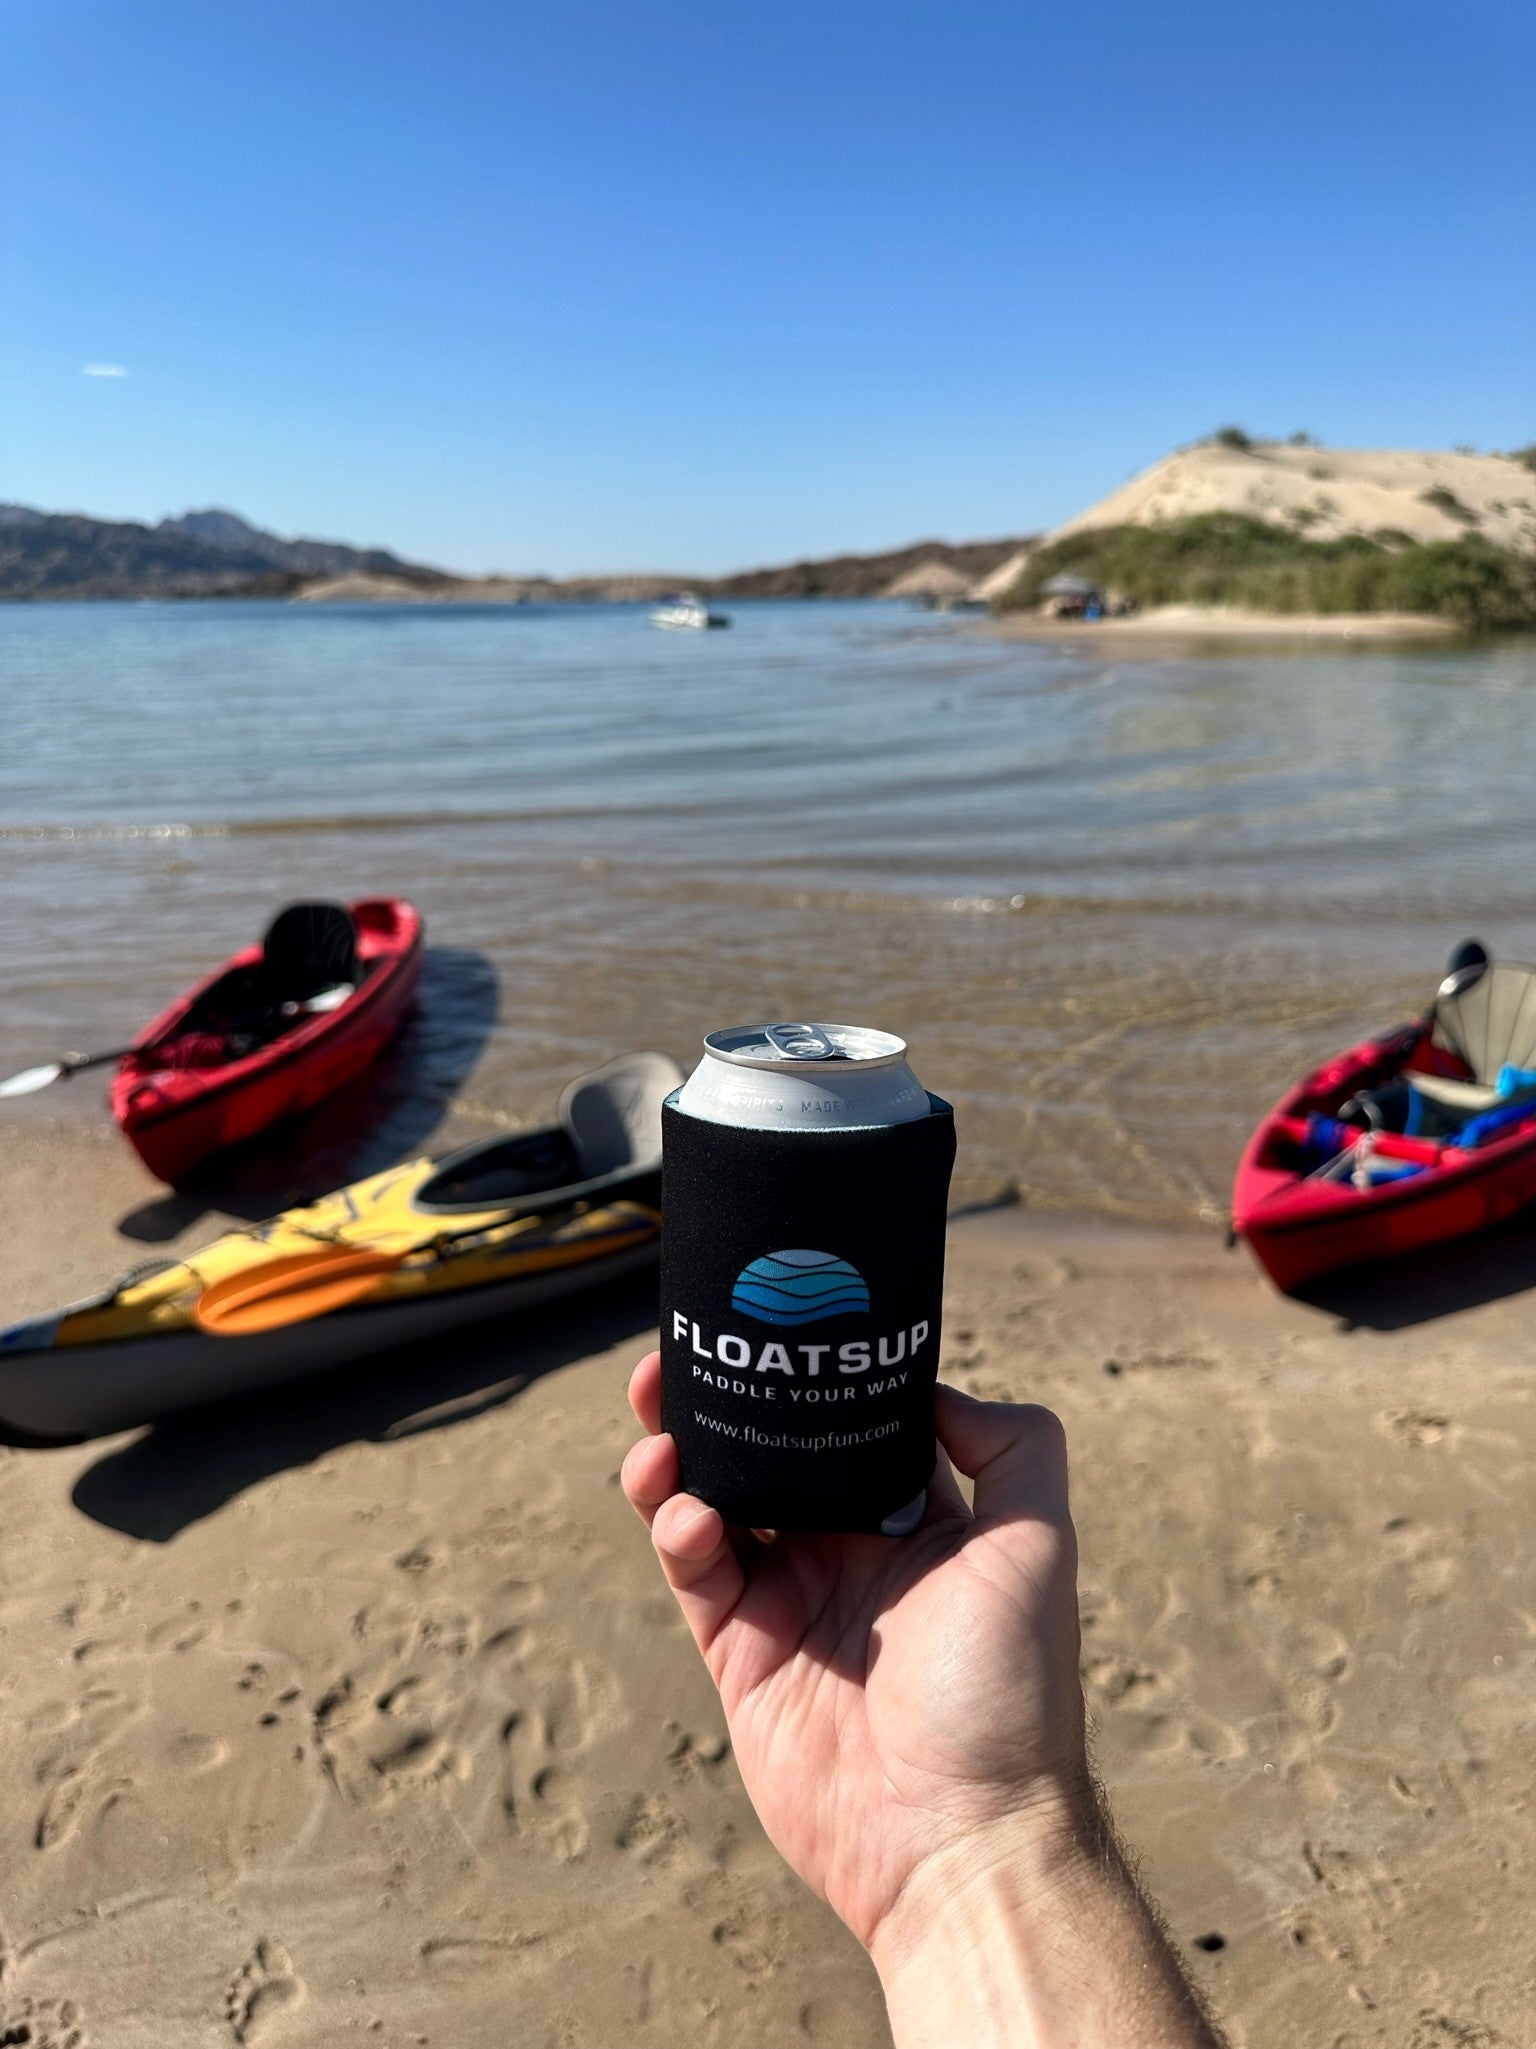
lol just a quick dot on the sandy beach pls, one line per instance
(358, 1714)
(1194, 624)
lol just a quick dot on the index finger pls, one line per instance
(1014, 1451)
(645, 1392)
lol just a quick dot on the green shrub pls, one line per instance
(1448, 503)
(1227, 558)
(1232, 437)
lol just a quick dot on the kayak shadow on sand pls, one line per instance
(1442, 1281)
(181, 1470)
(386, 1115)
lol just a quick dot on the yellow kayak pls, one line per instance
(499, 1225)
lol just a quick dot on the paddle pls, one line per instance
(299, 1285)
(31, 1078)
(1468, 964)
(292, 1289)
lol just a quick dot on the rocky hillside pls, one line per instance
(214, 553)
(866, 576)
(200, 555)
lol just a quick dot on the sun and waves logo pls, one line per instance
(799, 1287)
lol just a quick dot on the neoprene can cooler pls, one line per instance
(805, 1182)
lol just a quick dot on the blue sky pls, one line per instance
(599, 285)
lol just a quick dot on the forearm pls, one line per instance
(1037, 1938)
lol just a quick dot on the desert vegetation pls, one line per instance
(1226, 558)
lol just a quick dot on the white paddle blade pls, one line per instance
(31, 1078)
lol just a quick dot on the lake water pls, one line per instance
(1115, 900)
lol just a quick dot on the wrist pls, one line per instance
(1029, 1933)
(1043, 1847)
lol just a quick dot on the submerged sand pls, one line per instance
(358, 1713)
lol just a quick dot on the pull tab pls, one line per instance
(802, 1042)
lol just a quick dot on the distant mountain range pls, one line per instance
(867, 576)
(201, 555)
(217, 554)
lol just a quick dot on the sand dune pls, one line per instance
(1326, 492)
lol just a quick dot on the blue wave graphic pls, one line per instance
(799, 1286)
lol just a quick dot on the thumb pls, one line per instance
(1016, 1452)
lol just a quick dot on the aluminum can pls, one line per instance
(804, 1184)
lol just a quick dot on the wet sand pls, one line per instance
(1212, 624)
(358, 1713)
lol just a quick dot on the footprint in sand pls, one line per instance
(1435, 2030)
(42, 2023)
(750, 1931)
(576, 1706)
(1427, 1556)
(69, 1767)
(263, 1988)
(652, 1831)
(1418, 1429)
(384, 1727)
(1114, 1681)
(82, 1727)
(1363, 1878)
(559, 1818)
(691, 1757)
(192, 1755)
(182, 1632)
(1148, 1716)
(75, 1796)
(541, 1800)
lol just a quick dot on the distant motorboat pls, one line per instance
(684, 609)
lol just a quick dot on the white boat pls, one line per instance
(686, 610)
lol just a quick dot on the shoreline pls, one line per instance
(1205, 624)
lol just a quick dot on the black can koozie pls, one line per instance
(802, 1276)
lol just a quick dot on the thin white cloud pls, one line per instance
(102, 370)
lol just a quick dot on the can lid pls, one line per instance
(805, 1045)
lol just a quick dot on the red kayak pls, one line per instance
(277, 1028)
(1317, 1191)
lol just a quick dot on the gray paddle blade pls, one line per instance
(32, 1078)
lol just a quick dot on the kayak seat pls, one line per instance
(1492, 1024)
(1466, 1096)
(308, 948)
(609, 1133)
(614, 1115)
(1429, 1105)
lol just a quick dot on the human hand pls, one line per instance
(908, 1722)
(898, 1708)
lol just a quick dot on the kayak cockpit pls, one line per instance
(609, 1133)
(308, 964)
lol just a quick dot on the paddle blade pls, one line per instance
(293, 1289)
(31, 1078)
